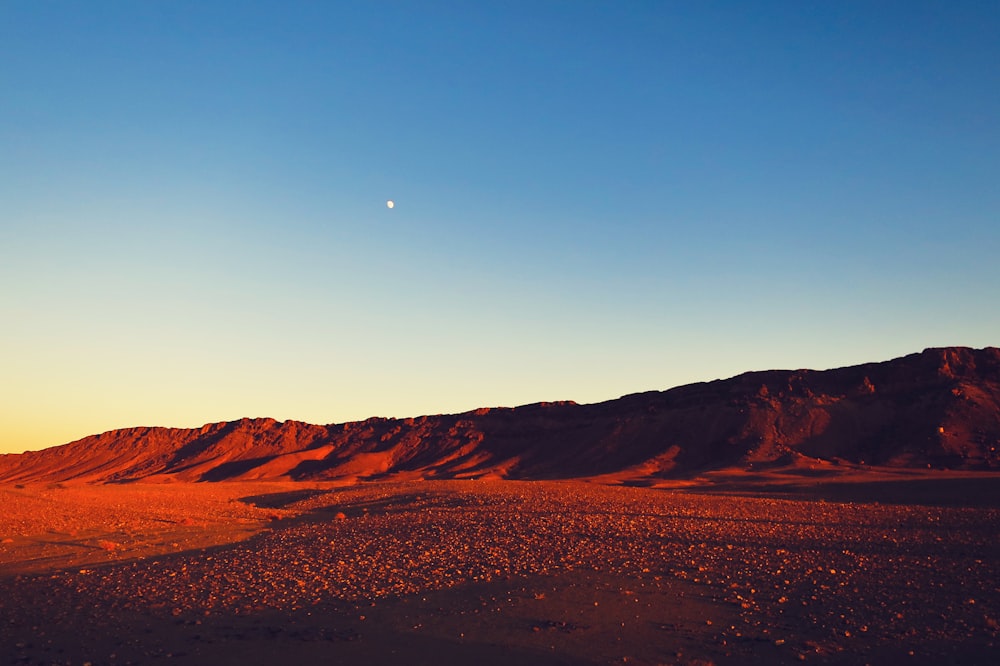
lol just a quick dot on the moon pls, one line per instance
(390, 203)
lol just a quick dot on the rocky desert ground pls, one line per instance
(844, 516)
(773, 567)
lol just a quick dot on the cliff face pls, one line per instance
(940, 408)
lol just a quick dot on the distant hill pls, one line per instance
(938, 408)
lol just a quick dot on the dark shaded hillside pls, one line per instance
(939, 408)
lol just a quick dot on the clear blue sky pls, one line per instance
(592, 199)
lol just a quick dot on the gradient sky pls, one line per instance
(592, 199)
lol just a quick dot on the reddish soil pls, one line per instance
(736, 567)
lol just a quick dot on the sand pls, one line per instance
(764, 567)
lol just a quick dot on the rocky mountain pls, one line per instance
(938, 408)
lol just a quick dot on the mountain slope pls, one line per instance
(940, 408)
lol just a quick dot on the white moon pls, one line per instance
(390, 203)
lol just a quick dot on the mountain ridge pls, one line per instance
(939, 407)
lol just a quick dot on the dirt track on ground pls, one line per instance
(490, 571)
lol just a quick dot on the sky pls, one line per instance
(591, 199)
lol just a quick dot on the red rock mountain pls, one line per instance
(940, 408)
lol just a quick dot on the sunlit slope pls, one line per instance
(940, 408)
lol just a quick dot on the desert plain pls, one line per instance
(828, 565)
(846, 516)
